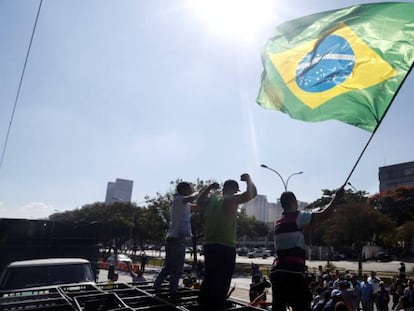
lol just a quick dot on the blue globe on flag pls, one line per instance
(328, 65)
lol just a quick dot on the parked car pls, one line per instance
(122, 264)
(337, 256)
(383, 257)
(187, 268)
(121, 258)
(242, 251)
(257, 253)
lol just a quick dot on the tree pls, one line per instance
(398, 203)
(248, 226)
(155, 222)
(403, 237)
(354, 222)
(115, 221)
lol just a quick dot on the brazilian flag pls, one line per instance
(345, 64)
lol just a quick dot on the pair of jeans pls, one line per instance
(219, 261)
(174, 261)
(290, 289)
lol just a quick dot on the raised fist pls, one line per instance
(245, 177)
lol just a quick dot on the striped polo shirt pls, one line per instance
(289, 241)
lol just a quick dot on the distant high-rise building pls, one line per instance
(264, 211)
(396, 175)
(258, 208)
(119, 191)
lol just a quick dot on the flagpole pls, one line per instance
(376, 128)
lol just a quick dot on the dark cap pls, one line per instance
(231, 185)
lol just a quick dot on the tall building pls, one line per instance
(258, 208)
(396, 175)
(119, 191)
(275, 211)
(264, 211)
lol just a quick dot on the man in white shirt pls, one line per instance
(179, 230)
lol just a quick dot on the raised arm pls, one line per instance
(202, 200)
(250, 193)
(191, 198)
(232, 203)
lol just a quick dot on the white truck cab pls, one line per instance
(45, 272)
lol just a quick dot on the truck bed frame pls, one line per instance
(108, 297)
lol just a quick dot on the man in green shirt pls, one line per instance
(220, 214)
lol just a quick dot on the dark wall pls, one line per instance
(22, 239)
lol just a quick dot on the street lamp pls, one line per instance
(285, 184)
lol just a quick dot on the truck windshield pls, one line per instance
(24, 277)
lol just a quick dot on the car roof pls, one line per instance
(120, 256)
(47, 261)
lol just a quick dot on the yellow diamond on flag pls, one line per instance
(316, 73)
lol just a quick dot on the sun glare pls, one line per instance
(237, 19)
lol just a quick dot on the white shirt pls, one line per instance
(180, 225)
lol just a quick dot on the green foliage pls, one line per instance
(248, 226)
(354, 222)
(398, 203)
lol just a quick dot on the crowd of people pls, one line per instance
(367, 293)
(337, 290)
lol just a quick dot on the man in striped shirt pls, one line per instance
(289, 285)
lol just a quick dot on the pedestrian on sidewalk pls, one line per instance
(144, 261)
(402, 271)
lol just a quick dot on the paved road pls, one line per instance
(391, 266)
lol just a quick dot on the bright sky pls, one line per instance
(158, 90)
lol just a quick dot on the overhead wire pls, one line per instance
(20, 86)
